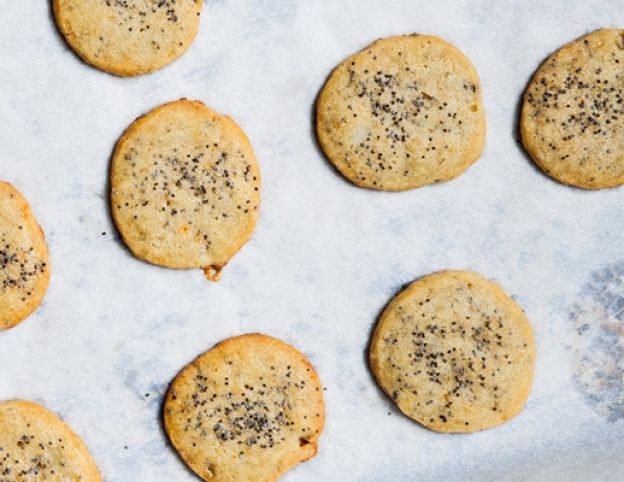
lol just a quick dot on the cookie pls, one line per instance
(571, 122)
(36, 445)
(24, 262)
(250, 408)
(402, 113)
(128, 37)
(185, 187)
(454, 352)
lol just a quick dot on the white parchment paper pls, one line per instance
(326, 256)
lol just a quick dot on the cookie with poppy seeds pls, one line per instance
(250, 408)
(24, 262)
(572, 121)
(37, 445)
(454, 352)
(404, 112)
(128, 37)
(185, 187)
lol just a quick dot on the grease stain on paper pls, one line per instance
(598, 316)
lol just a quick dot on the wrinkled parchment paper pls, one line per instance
(326, 256)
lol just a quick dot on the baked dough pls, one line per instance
(128, 37)
(454, 352)
(36, 445)
(402, 113)
(573, 112)
(24, 261)
(248, 409)
(185, 187)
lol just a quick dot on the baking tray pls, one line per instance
(326, 256)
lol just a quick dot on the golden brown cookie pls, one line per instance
(402, 113)
(573, 109)
(24, 262)
(454, 352)
(250, 408)
(185, 187)
(128, 37)
(36, 445)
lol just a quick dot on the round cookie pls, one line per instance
(454, 352)
(402, 113)
(573, 111)
(250, 408)
(128, 37)
(185, 187)
(37, 445)
(24, 262)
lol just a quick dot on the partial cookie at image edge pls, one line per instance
(19, 302)
(248, 348)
